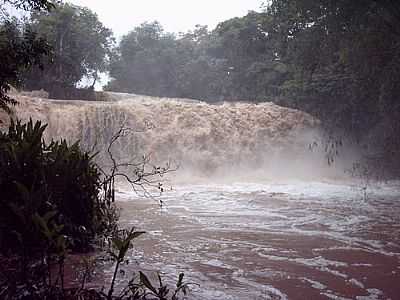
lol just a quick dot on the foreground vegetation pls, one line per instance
(338, 60)
(54, 200)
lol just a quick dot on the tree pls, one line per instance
(81, 47)
(344, 61)
(20, 48)
(247, 47)
(231, 62)
(146, 62)
(338, 60)
(30, 5)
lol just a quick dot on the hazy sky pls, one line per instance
(175, 15)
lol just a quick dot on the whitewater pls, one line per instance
(253, 209)
(273, 240)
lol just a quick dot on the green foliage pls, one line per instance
(19, 50)
(56, 181)
(81, 45)
(338, 60)
(43, 283)
(31, 4)
(227, 63)
(53, 199)
(142, 287)
(344, 62)
(146, 61)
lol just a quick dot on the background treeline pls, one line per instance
(338, 60)
(74, 45)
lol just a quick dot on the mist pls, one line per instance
(203, 142)
(223, 150)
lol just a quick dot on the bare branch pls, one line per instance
(141, 174)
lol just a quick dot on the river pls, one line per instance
(272, 240)
(258, 233)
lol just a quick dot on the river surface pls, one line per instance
(282, 240)
(265, 240)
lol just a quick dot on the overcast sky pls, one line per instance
(174, 15)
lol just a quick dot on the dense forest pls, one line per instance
(338, 60)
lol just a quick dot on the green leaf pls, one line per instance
(180, 280)
(146, 282)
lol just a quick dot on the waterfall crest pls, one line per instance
(201, 137)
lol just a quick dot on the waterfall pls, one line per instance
(199, 137)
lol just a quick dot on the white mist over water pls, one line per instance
(227, 141)
(252, 212)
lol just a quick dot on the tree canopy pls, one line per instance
(345, 62)
(20, 48)
(30, 5)
(80, 43)
(338, 60)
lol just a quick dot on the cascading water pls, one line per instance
(256, 215)
(225, 139)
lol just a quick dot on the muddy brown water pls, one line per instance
(297, 240)
(264, 240)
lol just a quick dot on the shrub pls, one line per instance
(37, 178)
(54, 198)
